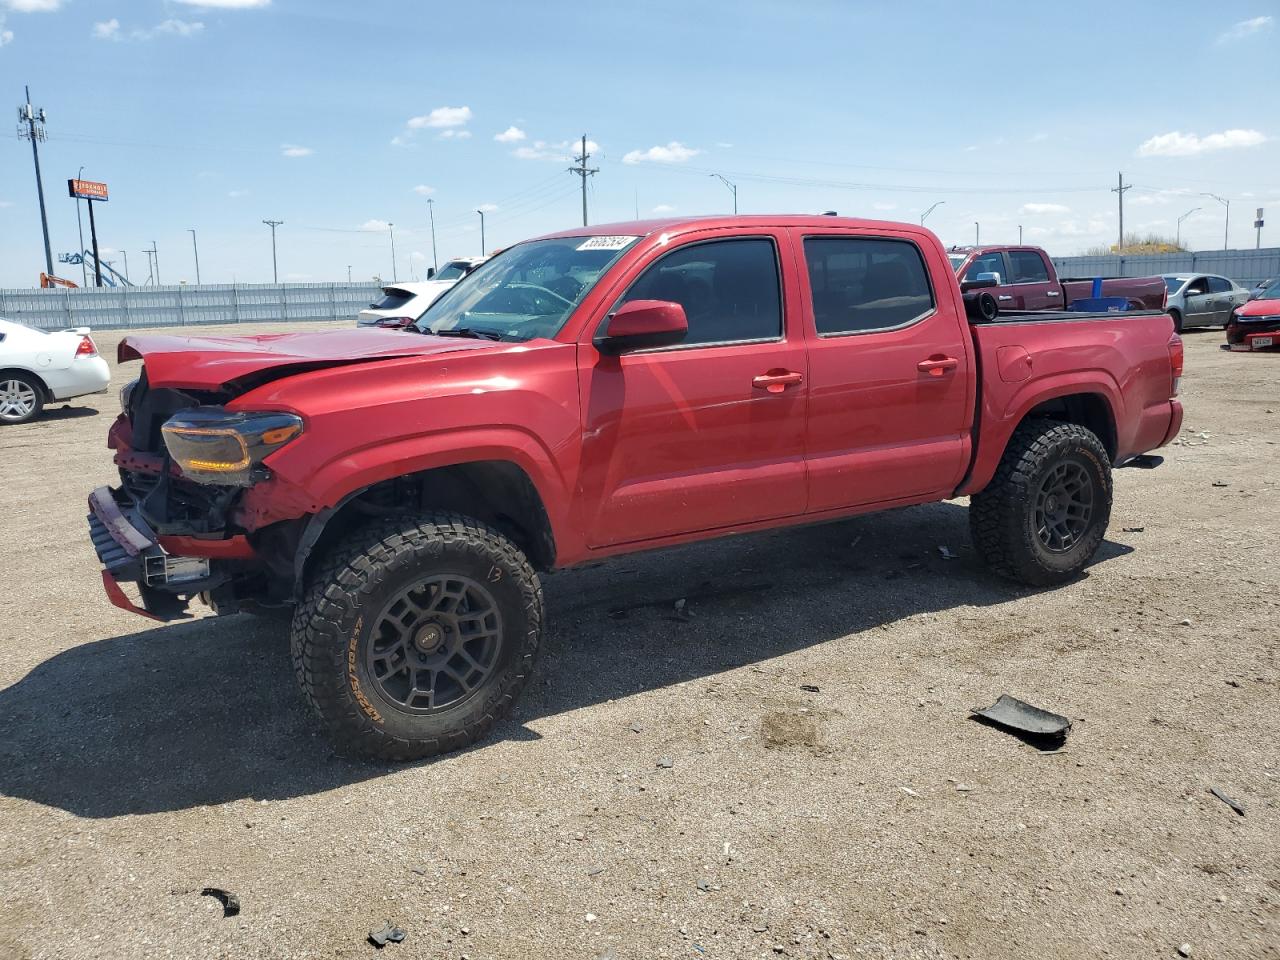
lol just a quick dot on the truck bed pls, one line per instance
(1047, 316)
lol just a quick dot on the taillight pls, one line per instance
(86, 347)
(1175, 362)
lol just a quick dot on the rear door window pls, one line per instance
(393, 298)
(1027, 267)
(1219, 285)
(860, 284)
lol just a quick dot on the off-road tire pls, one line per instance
(347, 595)
(1002, 517)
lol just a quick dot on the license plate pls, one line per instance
(1259, 342)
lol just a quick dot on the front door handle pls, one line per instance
(775, 381)
(937, 366)
(1003, 297)
(1053, 293)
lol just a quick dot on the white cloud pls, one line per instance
(181, 28)
(237, 193)
(454, 134)
(673, 152)
(293, 150)
(107, 29)
(423, 190)
(512, 134)
(1042, 208)
(562, 152)
(33, 6)
(1038, 138)
(441, 117)
(417, 256)
(488, 207)
(1246, 28)
(226, 4)
(1179, 144)
(399, 141)
(725, 146)
(664, 208)
(374, 226)
(6, 36)
(884, 206)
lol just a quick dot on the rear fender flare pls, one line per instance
(995, 432)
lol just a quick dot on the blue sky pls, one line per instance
(339, 117)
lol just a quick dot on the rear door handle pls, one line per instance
(1054, 293)
(1004, 296)
(775, 381)
(937, 366)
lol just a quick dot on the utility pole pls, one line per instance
(1257, 225)
(733, 188)
(34, 119)
(924, 216)
(583, 171)
(196, 251)
(84, 275)
(1019, 234)
(431, 212)
(348, 273)
(155, 254)
(275, 273)
(481, 212)
(126, 263)
(391, 227)
(977, 233)
(1226, 225)
(1119, 190)
(1177, 238)
(150, 274)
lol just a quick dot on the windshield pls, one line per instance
(1271, 293)
(1174, 283)
(957, 259)
(393, 299)
(454, 270)
(526, 291)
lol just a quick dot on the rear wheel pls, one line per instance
(21, 397)
(1044, 514)
(416, 635)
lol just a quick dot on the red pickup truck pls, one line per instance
(595, 392)
(1025, 279)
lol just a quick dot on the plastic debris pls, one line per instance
(387, 934)
(666, 763)
(1235, 805)
(1134, 529)
(1022, 718)
(230, 902)
(808, 688)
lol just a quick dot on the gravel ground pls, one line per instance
(141, 763)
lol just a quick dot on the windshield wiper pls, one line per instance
(471, 332)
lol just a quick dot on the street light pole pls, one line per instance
(84, 273)
(733, 188)
(275, 274)
(1177, 238)
(482, 247)
(924, 216)
(1019, 234)
(391, 228)
(431, 212)
(196, 251)
(976, 234)
(1226, 223)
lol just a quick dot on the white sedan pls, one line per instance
(403, 303)
(41, 366)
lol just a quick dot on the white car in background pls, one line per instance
(403, 303)
(42, 366)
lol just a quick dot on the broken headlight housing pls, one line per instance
(213, 445)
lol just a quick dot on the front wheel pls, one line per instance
(416, 635)
(1044, 514)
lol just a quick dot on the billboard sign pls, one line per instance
(87, 189)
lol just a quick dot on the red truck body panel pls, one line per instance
(665, 446)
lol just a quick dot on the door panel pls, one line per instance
(697, 437)
(889, 409)
(1032, 289)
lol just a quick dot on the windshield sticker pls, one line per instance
(606, 243)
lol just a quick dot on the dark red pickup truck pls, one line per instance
(595, 392)
(1026, 280)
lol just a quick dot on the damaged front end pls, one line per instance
(183, 523)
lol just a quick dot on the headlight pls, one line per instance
(213, 445)
(126, 394)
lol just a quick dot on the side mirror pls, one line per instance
(641, 324)
(982, 281)
(431, 272)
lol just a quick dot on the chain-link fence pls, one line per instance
(104, 308)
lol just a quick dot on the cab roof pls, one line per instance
(644, 228)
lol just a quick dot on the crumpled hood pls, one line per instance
(206, 363)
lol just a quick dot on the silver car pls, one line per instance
(1202, 299)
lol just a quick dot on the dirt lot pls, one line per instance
(139, 763)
